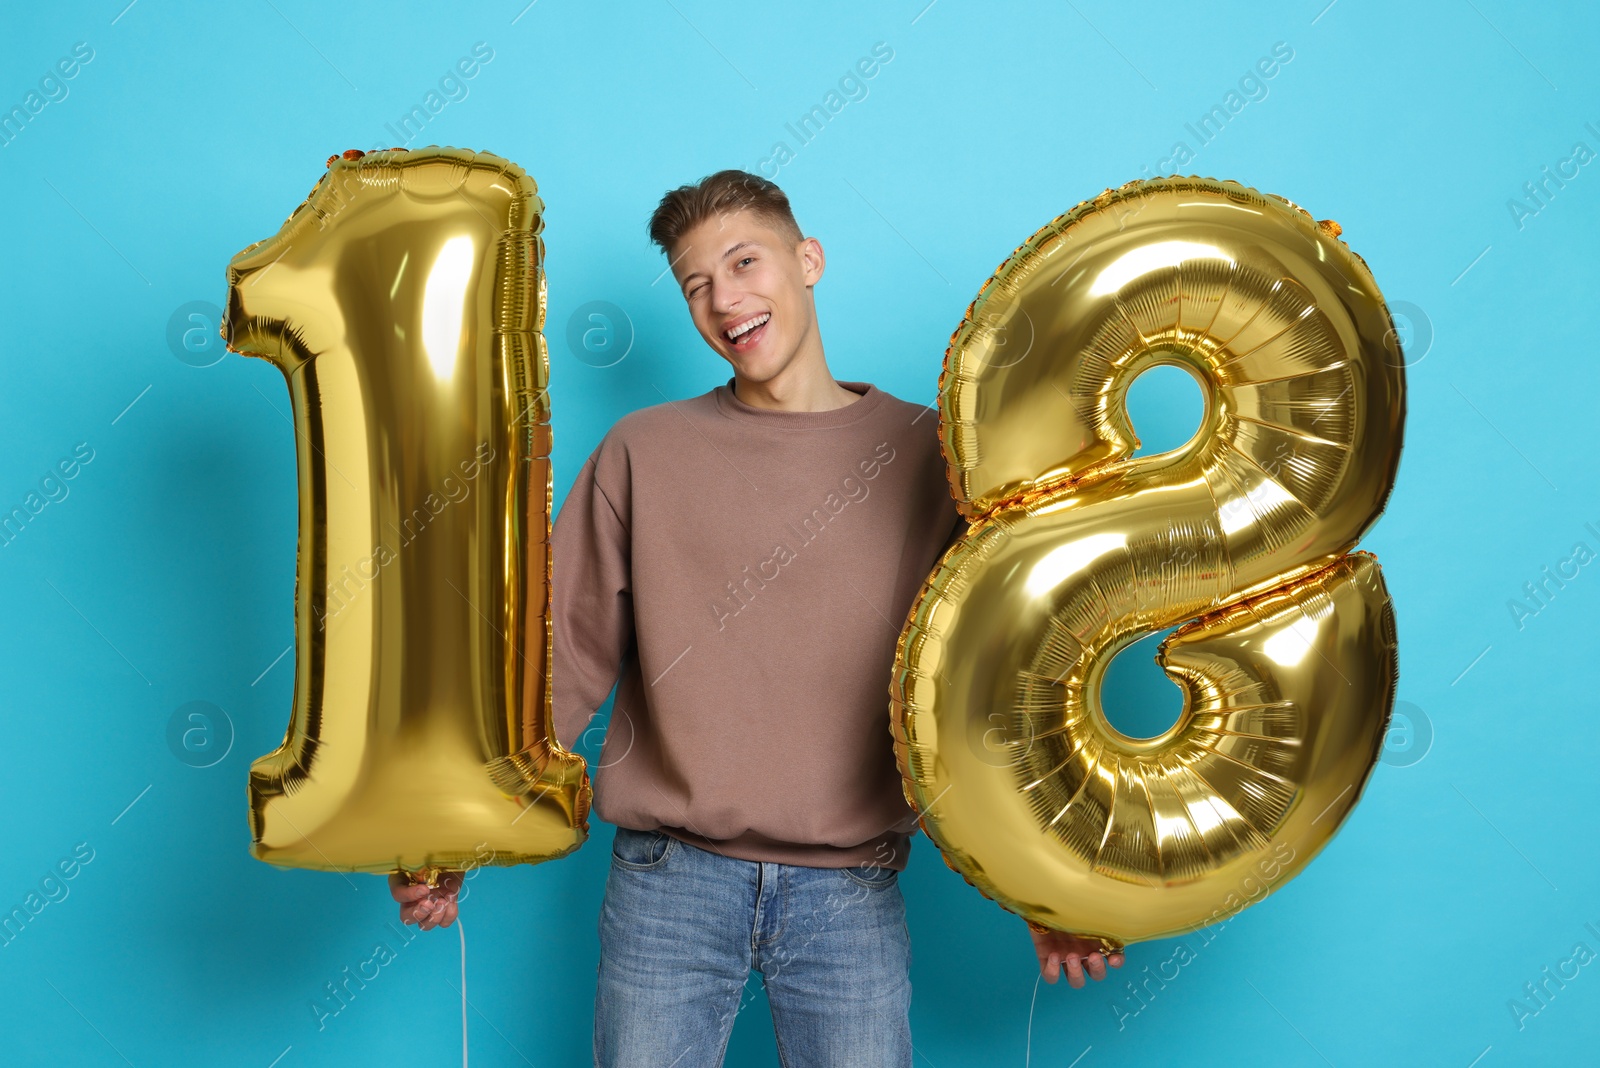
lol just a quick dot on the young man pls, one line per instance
(745, 559)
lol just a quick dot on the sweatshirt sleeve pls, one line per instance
(958, 528)
(592, 602)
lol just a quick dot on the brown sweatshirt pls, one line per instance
(747, 572)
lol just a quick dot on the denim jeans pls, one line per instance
(681, 928)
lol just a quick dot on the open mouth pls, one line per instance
(745, 334)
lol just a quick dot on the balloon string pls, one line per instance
(462, 931)
(1027, 1054)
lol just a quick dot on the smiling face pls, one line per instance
(749, 292)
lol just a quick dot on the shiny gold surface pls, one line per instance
(403, 302)
(1288, 665)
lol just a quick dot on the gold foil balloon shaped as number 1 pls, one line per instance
(1288, 660)
(403, 302)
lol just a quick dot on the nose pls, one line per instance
(724, 297)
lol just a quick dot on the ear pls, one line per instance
(812, 260)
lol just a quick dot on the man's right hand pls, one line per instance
(424, 905)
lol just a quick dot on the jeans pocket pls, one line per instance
(641, 850)
(871, 875)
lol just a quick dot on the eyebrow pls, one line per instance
(731, 250)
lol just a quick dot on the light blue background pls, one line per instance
(166, 575)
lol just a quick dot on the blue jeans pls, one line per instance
(682, 927)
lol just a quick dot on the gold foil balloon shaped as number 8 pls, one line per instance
(403, 302)
(1288, 660)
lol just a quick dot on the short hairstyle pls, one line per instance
(687, 206)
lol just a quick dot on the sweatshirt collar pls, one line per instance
(729, 404)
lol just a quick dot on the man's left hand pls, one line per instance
(1057, 947)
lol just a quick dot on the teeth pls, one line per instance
(744, 328)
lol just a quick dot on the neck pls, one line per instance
(805, 385)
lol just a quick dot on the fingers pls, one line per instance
(443, 905)
(409, 893)
(1074, 971)
(442, 913)
(403, 890)
(419, 911)
(426, 906)
(430, 911)
(1096, 967)
(1074, 961)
